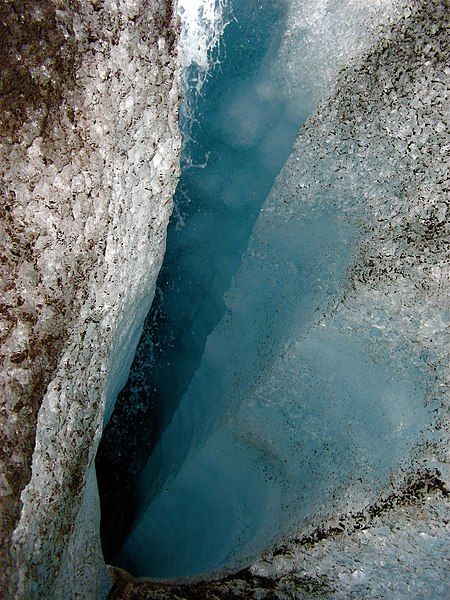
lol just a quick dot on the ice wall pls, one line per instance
(325, 379)
(320, 37)
(243, 120)
(89, 163)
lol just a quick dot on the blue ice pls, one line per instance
(273, 411)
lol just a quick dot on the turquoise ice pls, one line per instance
(293, 382)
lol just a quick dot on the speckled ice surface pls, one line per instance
(89, 165)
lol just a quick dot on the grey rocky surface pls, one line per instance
(89, 162)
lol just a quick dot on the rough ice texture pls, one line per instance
(330, 32)
(89, 146)
(396, 549)
(376, 152)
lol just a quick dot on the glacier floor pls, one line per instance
(262, 399)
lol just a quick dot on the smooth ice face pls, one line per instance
(306, 389)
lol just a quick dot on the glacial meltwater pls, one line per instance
(277, 381)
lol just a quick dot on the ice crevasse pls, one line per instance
(323, 382)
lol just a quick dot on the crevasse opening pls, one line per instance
(273, 385)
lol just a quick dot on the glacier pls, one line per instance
(283, 429)
(294, 363)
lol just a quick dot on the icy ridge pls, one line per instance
(89, 166)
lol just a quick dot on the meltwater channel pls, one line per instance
(254, 405)
(238, 133)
